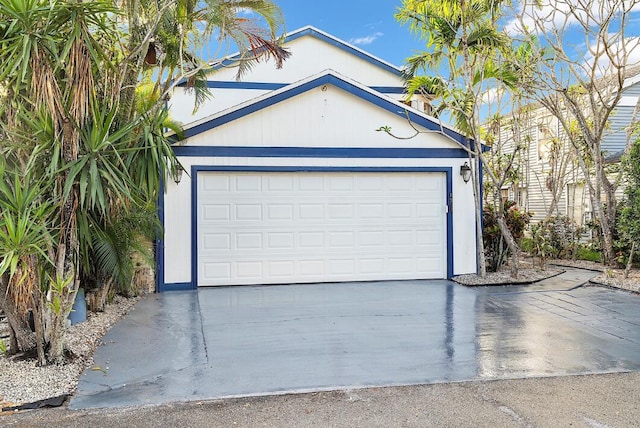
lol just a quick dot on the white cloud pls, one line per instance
(244, 11)
(544, 15)
(623, 52)
(491, 95)
(366, 40)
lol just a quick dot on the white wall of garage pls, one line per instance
(178, 203)
(324, 120)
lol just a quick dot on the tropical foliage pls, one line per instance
(82, 143)
(629, 221)
(495, 246)
(467, 60)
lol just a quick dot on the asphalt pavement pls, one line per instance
(593, 401)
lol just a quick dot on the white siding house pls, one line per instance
(287, 180)
(550, 161)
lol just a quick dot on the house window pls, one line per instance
(504, 194)
(544, 144)
(521, 197)
(546, 136)
(578, 204)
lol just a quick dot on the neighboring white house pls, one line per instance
(549, 161)
(288, 181)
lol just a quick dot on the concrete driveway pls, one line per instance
(246, 341)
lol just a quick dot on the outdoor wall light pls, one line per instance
(465, 172)
(178, 174)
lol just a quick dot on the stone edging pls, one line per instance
(513, 282)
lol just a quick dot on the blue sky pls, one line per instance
(370, 25)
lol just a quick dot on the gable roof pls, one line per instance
(325, 37)
(326, 77)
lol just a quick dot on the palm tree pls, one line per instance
(73, 135)
(51, 65)
(169, 39)
(466, 50)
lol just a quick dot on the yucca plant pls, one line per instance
(68, 73)
(25, 235)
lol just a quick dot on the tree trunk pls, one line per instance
(97, 298)
(21, 337)
(604, 213)
(511, 242)
(627, 269)
(596, 202)
(39, 330)
(482, 264)
(66, 255)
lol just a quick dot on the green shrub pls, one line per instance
(589, 254)
(540, 243)
(527, 245)
(562, 234)
(495, 248)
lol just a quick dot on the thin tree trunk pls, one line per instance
(627, 269)
(482, 263)
(20, 339)
(67, 253)
(39, 330)
(511, 243)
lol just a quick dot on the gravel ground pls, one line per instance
(525, 276)
(24, 382)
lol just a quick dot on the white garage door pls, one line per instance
(293, 227)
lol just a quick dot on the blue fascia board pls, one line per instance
(204, 168)
(345, 47)
(319, 152)
(265, 86)
(389, 89)
(327, 79)
(228, 62)
(272, 86)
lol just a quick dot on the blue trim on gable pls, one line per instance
(228, 62)
(326, 79)
(267, 86)
(319, 152)
(219, 168)
(390, 89)
(345, 47)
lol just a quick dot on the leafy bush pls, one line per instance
(589, 254)
(562, 234)
(495, 247)
(540, 243)
(527, 245)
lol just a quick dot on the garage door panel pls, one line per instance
(248, 183)
(248, 241)
(308, 227)
(216, 212)
(310, 211)
(217, 241)
(278, 183)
